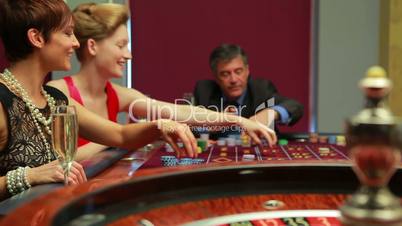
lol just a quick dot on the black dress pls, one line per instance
(24, 145)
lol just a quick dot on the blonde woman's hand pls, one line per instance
(173, 131)
(257, 130)
(52, 172)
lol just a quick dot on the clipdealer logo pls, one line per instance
(271, 114)
(148, 109)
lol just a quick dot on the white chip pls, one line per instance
(231, 141)
(221, 142)
(204, 136)
(168, 148)
(249, 156)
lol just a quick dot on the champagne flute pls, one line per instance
(64, 136)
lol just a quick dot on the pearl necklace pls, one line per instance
(37, 116)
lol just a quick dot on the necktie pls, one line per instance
(232, 107)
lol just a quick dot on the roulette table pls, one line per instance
(293, 151)
(300, 183)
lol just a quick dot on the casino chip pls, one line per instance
(323, 139)
(203, 144)
(221, 142)
(231, 142)
(198, 161)
(248, 157)
(168, 160)
(283, 142)
(313, 138)
(186, 161)
(332, 139)
(204, 136)
(341, 140)
(168, 148)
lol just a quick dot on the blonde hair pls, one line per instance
(97, 21)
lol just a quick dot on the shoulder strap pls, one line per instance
(72, 89)
(56, 94)
(112, 102)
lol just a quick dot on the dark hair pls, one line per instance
(18, 16)
(225, 53)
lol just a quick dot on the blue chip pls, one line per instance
(186, 160)
(168, 160)
(332, 139)
(198, 161)
(167, 157)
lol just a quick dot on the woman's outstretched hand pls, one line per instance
(173, 132)
(257, 131)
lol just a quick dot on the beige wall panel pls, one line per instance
(391, 49)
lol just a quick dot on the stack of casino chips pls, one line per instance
(340, 140)
(332, 139)
(283, 142)
(313, 138)
(245, 140)
(185, 161)
(202, 142)
(168, 148)
(202, 145)
(248, 157)
(221, 142)
(231, 141)
(198, 161)
(323, 139)
(190, 161)
(169, 160)
(204, 136)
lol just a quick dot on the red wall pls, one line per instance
(172, 40)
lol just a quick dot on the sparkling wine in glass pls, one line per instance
(64, 136)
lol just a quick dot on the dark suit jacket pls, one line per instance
(208, 93)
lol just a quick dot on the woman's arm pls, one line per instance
(88, 150)
(3, 189)
(102, 131)
(132, 136)
(139, 105)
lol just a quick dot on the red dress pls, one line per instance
(112, 102)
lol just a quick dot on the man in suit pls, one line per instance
(234, 90)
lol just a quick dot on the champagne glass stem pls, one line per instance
(67, 169)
